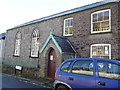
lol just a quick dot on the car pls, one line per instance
(78, 73)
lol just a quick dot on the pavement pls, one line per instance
(47, 83)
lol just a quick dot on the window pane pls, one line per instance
(105, 26)
(108, 70)
(100, 50)
(83, 67)
(100, 16)
(68, 27)
(66, 23)
(106, 50)
(70, 30)
(101, 21)
(66, 66)
(94, 17)
(35, 44)
(106, 15)
(94, 50)
(66, 31)
(96, 26)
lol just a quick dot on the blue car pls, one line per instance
(78, 73)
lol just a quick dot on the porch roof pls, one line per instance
(62, 43)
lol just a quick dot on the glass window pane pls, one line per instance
(94, 17)
(68, 26)
(96, 26)
(66, 23)
(35, 43)
(83, 67)
(100, 16)
(106, 15)
(106, 50)
(94, 50)
(108, 70)
(100, 50)
(70, 30)
(66, 66)
(105, 26)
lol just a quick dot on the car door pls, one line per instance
(82, 74)
(62, 72)
(108, 75)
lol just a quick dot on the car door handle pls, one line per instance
(71, 78)
(101, 83)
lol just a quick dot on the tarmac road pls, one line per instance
(10, 82)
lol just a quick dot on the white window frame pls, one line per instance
(101, 45)
(65, 27)
(36, 43)
(17, 44)
(101, 21)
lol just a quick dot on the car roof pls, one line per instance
(96, 59)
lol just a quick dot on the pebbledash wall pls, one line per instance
(81, 40)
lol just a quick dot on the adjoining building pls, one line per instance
(2, 48)
(2, 45)
(36, 48)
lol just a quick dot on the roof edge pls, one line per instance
(47, 41)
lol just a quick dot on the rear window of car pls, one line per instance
(83, 67)
(108, 70)
(65, 67)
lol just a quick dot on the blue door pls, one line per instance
(82, 74)
(108, 74)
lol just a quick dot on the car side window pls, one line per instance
(65, 66)
(83, 67)
(108, 70)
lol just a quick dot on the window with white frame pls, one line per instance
(68, 27)
(101, 51)
(17, 44)
(35, 43)
(101, 21)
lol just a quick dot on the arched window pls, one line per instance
(35, 43)
(17, 44)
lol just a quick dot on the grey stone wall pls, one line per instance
(82, 38)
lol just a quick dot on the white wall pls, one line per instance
(2, 45)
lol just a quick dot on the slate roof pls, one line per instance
(65, 44)
(62, 43)
(67, 12)
(2, 36)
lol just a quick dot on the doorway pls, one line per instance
(51, 63)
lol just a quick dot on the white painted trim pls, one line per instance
(64, 27)
(100, 45)
(108, 20)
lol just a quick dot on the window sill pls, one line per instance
(68, 35)
(101, 32)
(16, 55)
(33, 57)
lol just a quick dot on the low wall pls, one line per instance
(25, 72)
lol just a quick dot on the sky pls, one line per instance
(16, 12)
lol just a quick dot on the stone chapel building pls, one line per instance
(36, 48)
